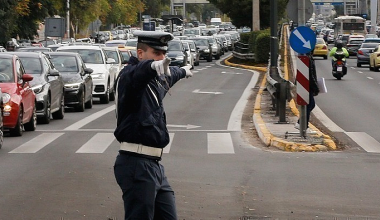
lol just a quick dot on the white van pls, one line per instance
(216, 22)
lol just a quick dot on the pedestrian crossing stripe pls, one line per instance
(217, 143)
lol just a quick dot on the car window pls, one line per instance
(320, 41)
(6, 73)
(369, 45)
(19, 70)
(131, 43)
(174, 45)
(65, 63)
(89, 56)
(32, 65)
(113, 55)
(356, 41)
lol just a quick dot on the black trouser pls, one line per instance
(147, 194)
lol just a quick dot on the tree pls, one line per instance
(7, 18)
(236, 9)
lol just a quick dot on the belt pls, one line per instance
(141, 149)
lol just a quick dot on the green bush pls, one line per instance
(244, 37)
(262, 47)
(252, 40)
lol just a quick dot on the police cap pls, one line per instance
(155, 39)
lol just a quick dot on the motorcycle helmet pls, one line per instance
(339, 44)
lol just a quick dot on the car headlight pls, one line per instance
(6, 97)
(72, 86)
(98, 75)
(206, 50)
(38, 89)
(179, 57)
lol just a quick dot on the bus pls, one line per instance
(349, 25)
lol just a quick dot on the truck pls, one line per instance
(216, 22)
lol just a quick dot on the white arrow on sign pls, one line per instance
(201, 92)
(184, 126)
(299, 35)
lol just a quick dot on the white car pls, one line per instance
(115, 53)
(103, 76)
(190, 57)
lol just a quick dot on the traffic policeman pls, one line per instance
(141, 128)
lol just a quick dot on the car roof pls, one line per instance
(27, 53)
(63, 53)
(111, 48)
(6, 55)
(90, 47)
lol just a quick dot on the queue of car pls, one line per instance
(39, 81)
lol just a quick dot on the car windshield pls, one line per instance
(201, 42)
(131, 43)
(356, 41)
(89, 56)
(192, 46)
(65, 63)
(31, 65)
(126, 55)
(6, 73)
(112, 54)
(174, 46)
(369, 45)
(186, 45)
(115, 44)
(320, 41)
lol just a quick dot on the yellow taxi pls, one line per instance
(320, 49)
(374, 59)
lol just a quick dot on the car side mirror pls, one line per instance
(88, 71)
(111, 61)
(53, 72)
(27, 77)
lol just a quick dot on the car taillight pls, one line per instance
(339, 62)
(360, 52)
(324, 47)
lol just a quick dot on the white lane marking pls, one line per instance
(90, 118)
(37, 143)
(220, 143)
(365, 141)
(205, 92)
(167, 148)
(360, 72)
(97, 144)
(208, 66)
(194, 71)
(369, 77)
(326, 121)
(234, 123)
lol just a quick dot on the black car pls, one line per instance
(76, 77)
(176, 52)
(204, 47)
(47, 84)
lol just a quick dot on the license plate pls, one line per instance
(339, 68)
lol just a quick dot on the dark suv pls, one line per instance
(204, 47)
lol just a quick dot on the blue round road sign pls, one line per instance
(302, 39)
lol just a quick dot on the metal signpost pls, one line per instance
(302, 40)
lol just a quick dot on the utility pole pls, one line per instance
(255, 15)
(68, 18)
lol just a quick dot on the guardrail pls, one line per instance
(279, 88)
(241, 51)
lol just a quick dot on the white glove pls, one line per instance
(161, 67)
(188, 72)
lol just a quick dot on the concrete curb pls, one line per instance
(268, 138)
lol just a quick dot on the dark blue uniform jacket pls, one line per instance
(141, 117)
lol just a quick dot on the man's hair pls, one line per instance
(142, 46)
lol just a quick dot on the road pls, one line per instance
(64, 170)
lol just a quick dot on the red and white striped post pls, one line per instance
(303, 90)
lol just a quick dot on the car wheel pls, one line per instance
(81, 105)
(217, 57)
(60, 114)
(45, 119)
(325, 57)
(358, 65)
(105, 99)
(19, 128)
(89, 103)
(32, 124)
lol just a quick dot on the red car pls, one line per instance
(19, 109)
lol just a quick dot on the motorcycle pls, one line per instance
(339, 68)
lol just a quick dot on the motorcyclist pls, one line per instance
(338, 47)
